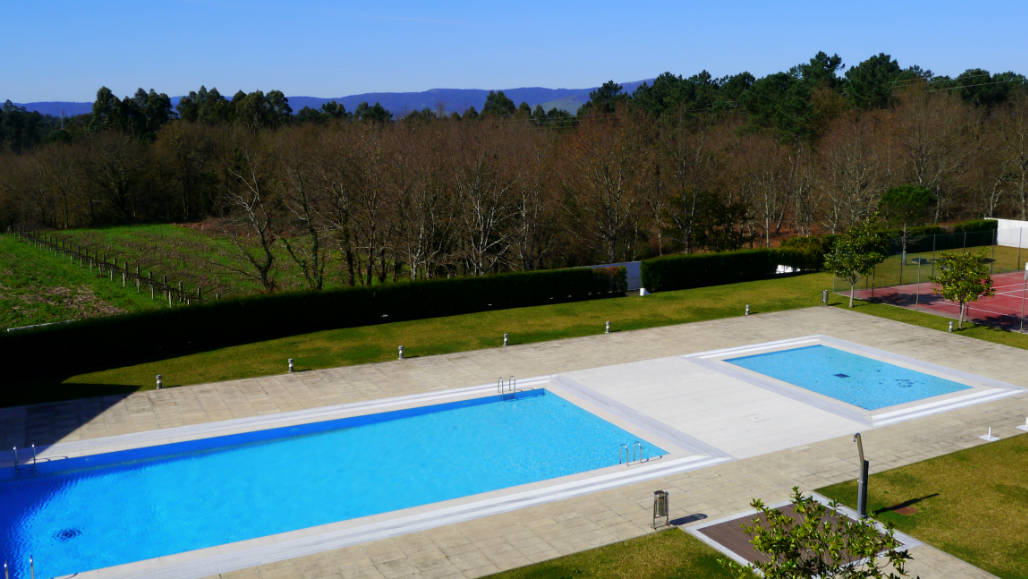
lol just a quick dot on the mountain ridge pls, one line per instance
(446, 100)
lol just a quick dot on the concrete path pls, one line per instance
(512, 539)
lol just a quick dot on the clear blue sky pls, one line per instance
(67, 49)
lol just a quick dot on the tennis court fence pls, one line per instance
(913, 260)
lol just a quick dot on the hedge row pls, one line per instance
(673, 272)
(805, 253)
(122, 340)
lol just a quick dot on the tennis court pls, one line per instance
(1006, 309)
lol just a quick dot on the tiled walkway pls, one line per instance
(541, 532)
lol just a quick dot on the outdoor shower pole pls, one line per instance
(862, 481)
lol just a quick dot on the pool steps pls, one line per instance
(629, 453)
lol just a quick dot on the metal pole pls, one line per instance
(862, 490)
(1024, 290)
(862, 480)
(1020, 240)
(917, 287)
(933, 255)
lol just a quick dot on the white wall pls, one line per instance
(1012, 233)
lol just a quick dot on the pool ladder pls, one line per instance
(507, 389)
(32, 569)
(629, 453)
(14, 452)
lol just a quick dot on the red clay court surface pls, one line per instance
(1002, 310)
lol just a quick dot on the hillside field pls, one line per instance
(38, 287)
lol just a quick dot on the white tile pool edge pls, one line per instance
(202, 430)
(983, 389)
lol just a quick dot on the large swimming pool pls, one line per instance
(97, 511)
(865, 382)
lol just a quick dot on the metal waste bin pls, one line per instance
(660, 508)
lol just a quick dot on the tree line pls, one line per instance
(680, 165)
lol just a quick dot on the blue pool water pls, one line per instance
(91, 512)
(865, 382)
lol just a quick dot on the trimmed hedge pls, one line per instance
(805, 253)
(116, 341)
(673, 272)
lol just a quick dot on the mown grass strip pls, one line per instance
(348, 346)
(669, 553)
(970, 503)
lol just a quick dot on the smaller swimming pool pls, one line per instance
(858, 380)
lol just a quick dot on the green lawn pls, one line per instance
(972, 504)
(670, 553)
(348, 346)
(39, 287)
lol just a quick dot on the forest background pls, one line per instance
(684, 164)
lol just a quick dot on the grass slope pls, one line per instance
(199, 256)
(195, 257)
(348, 346)
(971, 503)
(38, 287)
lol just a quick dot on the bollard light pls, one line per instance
(951, 326)
(400, 349)
(290, 365)
(505, 339)
(160, 381)
(606, 327)
(747, 309)
(824, 297)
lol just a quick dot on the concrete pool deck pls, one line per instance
(510, 539)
